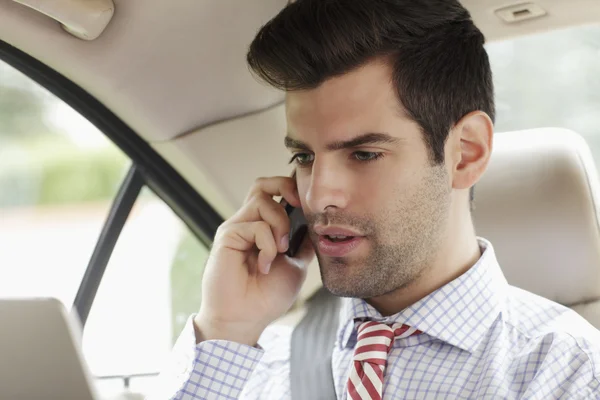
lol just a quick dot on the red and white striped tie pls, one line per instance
(375, 340)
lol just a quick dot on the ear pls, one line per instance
(470, 148)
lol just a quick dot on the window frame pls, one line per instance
(117, 217)
(158, 175)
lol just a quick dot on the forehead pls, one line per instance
(363, 99)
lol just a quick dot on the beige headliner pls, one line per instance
(170, 68)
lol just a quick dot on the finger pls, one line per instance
(252, 262)
(276, 186)
(266, 209)
(245, 236)
(265, 242)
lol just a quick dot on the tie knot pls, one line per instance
(375, 339)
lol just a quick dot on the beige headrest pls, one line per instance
(537, 204)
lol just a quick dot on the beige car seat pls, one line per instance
(538, 205)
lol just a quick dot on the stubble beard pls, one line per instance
(402, 242)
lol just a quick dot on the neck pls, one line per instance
(456, 255)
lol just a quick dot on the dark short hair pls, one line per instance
(440, 68)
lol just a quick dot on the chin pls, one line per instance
(340, 291)
(334, 276)
(349, 291)
(341, 283)
(343, 280)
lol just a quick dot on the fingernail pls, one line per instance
(285, 242)
(267, 268)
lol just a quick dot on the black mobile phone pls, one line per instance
(298, 226)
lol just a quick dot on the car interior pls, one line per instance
(174, 90)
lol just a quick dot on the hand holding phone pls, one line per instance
(248, 280)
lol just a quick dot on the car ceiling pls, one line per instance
(171, 68)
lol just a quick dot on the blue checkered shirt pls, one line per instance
(482, 339)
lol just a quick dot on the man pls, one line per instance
(390, 122)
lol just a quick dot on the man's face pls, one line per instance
(384, 193)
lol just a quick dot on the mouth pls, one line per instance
(339, 246)
(338, 239)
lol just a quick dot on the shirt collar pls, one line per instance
(459, 313)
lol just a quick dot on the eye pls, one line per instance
(302, 158)
(366, 156)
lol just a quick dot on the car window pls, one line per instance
(150, 287)
(549, 79)
(58, 178)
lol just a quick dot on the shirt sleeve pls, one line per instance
(214, 369)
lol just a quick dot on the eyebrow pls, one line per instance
(361, 140)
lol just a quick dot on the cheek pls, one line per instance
(302, 183)
(394, 193)
(377, 197)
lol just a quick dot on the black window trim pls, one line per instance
(117, 217)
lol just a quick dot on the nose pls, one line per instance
(327, 188)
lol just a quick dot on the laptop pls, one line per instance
(40, 352)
